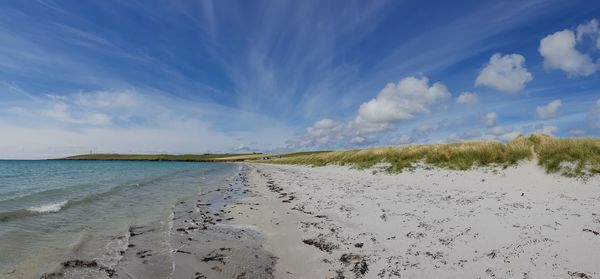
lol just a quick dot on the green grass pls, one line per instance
(571, 157)
(186, 157)
(157, 157)
(458, 156)
(552, 153)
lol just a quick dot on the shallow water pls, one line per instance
(53, 211)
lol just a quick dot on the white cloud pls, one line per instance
(58, 125)
(362, 140)
(549, 110)
(394, 103)
(98, 119)
(497, 133)
(326, 131)
(109, 99)
(590, 29)
(507, 136)
(505, 73)
(427, 127)
(560, 52)
(402, 101)
(467, 98)
(490, 119)
(62, 112)
(547, 130)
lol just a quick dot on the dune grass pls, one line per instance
(458, 156)
(553, 154)
(571, 157)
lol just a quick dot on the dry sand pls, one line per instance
(334, 222)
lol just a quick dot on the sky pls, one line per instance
(268, 76)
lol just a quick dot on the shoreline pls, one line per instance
(291, 221)
(197, 241)
(145, 248)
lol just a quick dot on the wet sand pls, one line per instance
(199, 240)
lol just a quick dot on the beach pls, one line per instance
(291, 221)
(336, 222)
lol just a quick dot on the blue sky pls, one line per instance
(232, 76)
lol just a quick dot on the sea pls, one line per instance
(53, 211)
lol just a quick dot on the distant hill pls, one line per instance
(187, 157)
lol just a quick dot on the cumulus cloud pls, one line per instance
(402, 101)
(560, 52)
(405, 100)
(467, 98)
(490, 119)
(325, 131)
(549, 110)
(506, 73)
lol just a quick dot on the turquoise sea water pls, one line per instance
(51, 211)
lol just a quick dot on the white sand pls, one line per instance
(513, 223)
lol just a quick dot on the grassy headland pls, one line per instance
(571, 157)
(186, 157)
(152, 157)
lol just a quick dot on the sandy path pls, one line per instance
(333, 222)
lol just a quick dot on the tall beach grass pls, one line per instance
(568, 156)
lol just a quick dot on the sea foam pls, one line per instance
(48, 208)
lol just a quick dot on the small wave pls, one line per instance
(33, 211)
(49, 208)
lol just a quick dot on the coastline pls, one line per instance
(108, 213)
(192, 243)
(292, 221)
